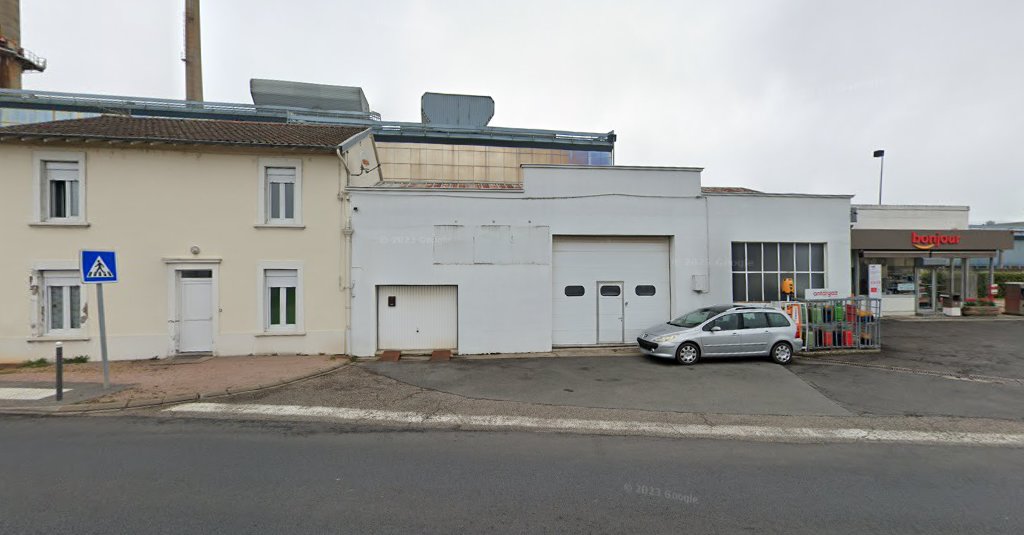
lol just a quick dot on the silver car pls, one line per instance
(723, 330)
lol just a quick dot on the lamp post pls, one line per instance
(881, 168)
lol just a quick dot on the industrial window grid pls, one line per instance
(758, 269)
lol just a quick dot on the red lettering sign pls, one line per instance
(930, 241)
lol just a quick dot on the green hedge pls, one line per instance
(1001, 277)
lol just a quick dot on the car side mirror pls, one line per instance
(715, 329)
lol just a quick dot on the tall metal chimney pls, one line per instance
(13, 58)
(193, 53)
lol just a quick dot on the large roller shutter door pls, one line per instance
(583, 265)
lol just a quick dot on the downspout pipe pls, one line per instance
(346, 231)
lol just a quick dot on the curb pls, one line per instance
(109, 406)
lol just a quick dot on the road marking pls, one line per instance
(28, 394)
(801, 434)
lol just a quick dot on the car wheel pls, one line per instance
(782, 353)
(687, 353)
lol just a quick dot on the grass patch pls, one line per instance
(77, 359)
(38, 363)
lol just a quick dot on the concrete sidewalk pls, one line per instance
(150, 382)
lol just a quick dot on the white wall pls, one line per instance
(567, 180)
(911, 217)
(506, 307)
(780, 218)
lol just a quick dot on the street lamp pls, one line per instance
(880, 154)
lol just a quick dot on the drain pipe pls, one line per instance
(345, 279)
(346, 224)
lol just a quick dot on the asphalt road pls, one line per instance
(128, 475)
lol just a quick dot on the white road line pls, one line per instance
(28, 394)
(802, 434)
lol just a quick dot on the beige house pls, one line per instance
(232, 237)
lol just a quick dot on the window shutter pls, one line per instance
(281, 174)
(282, 278)
(61, 170)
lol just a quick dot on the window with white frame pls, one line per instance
(280, 192)
(281, 306)
(62, 303)
(758, 269)
(61, 190)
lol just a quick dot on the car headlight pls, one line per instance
(666, 338)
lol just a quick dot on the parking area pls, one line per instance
(623, 382)
(955, 367)
(928, 368)
(984, 347)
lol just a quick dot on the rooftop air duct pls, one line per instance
(308, 96)
(471, 111)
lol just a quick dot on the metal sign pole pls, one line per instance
(103, 336)
(59, 364)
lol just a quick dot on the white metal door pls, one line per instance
(640, 264)
(195, 311)
(417, 317)
(609, 313)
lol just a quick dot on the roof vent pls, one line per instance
(307, 96)
(471, 111)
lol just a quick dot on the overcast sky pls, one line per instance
(783, 96)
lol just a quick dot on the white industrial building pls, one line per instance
(576, 256)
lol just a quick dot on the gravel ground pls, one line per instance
(158, 378)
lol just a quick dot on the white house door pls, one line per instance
(195, 311)
(609, 313)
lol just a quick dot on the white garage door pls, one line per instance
(417, 317)
(608, 289)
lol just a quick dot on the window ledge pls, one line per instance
(80, 224)
(280, 225)
(280, 333)
(50, 338)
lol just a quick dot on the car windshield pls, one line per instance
(695, 318)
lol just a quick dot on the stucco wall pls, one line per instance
(150, 205)
(507, 307)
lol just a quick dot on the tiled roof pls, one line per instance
(188, 131)
(726, 189)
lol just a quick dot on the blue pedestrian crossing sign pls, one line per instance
(98, 267)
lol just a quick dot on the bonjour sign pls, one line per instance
(930, 240)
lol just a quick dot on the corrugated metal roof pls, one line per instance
(727, 189)
(456, 185)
